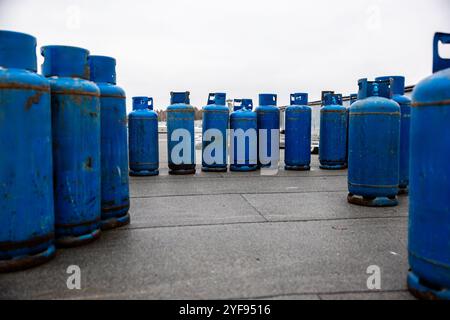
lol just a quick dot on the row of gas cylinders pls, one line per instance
(64, 163)
(371, 137)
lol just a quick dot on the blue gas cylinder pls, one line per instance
(26, 179)
(115, 201)
(268, 116)
(398, 95)
(297, 146)
(76, 144)
(374, 145)
(214, 134)
(429, 203)
(180, 134)
(243, 137)
(333, 133)
(241, 103)
(143, 138)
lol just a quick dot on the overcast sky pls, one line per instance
(241, 47)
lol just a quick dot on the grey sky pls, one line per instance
(241, 47)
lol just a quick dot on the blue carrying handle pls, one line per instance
(150, 103)
(440, 63)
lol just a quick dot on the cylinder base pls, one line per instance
(115, 222)
(214, 169)
(75, 241)
(404, 191)
(243, 168)
(144, 173)
(333, 166)
(421, 290)
(27, 261)
(372, 202)
(305, 167)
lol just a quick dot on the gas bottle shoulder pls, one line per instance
(243, 114)
(143, 113)
(375, 104)
(73, 85)
(333, 107)
(297, 108)
(108, 89)
(180, 107)
(435, 88)
(22, 77)
(215, 107)
(401, 99)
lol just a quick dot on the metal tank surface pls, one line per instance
(143, 138)
(297, 154)
(374, 146)
(26, 178)
(76, 144)
(115, 201)
(243, 137)
(268, 116)
(353, 98)
(333, 133)
(429, 203)
(398, 95)
(214, 133)
(180, 134)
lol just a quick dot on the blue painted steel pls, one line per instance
(374, 145)
(353, 99)
(143, 138)
(241, 103)
(333, 133)
(215, 117)
(26, 182)
(268, 116)
(76, 144)
(243, 137)
(398, 91)
(115, 201)
(297, 144)
(180, 131)
(429, 205)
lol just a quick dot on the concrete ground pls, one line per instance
(234, 236)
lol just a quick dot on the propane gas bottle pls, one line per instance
(115, 201)
(143, 138)
(26, 179)
(429, 204)
(76, 144)
(214, 134)
(374, 145)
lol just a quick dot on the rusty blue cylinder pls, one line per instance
(76, 144)
(297, 144)
(115, 201)
(180, 134)
(333, 133)
(143, 138)
(398, 95)
(374, 146)
(268, 116)
(429, 204)
(214, 134)
(243, 137)
(26, 179)
(241, 103)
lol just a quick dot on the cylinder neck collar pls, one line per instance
(65, 61)
(17, 50)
